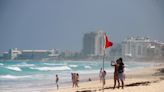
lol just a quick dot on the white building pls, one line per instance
(93, 43)
(140, 47)
(99, 43)
(32, 54)
(13, 53)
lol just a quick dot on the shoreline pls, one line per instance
(145, 78)
(48, 82)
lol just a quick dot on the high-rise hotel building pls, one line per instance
(93, 43)
(141, 47)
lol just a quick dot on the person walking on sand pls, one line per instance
(73, 79)
(121, 75)
(76, 80)
(57, 80)
(103, 77)
(100, 74)
(115, 64)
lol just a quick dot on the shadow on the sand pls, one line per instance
(145, 83)
(87, 91)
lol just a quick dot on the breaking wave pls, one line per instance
(1, 64)
(53, 64)
(13, 77)
(51, 68)
(24, 64)
(87, 67)
(73, 65)
(14, 68)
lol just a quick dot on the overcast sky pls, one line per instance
(61, 24)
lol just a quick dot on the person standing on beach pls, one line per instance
(121, 75)
(115, 64)
(76, 80)
(100, 74)
(103, 76)
(73, 79)
(57, 80)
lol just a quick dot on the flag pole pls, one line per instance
(103, 64)
(106, 45)
(103, 72)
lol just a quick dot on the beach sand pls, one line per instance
(142, 80)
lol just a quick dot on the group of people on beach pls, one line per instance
(118, 75)
(75, 79)
(118, 72)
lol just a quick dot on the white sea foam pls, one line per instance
(51, 68)
(14, 68)
(87, 67)
(13, 77)
(24, 64)
(54, 64)
(73, 65)
(1, 64)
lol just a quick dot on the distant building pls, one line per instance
(53, 53)
(93, 43)
(162, 50)
(5, 56)
(13, 53)
(141, 47)
(115, 51)
(34, 54)
(1, 55)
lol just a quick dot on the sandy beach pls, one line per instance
(142, 80)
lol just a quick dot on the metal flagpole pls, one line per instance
(103, 72)
(103, 64)
(107, 44)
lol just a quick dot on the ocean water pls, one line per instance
(35, 76)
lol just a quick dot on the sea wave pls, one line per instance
(87, 67)
(24, 64)
(73, 65)
(13, 77)
(51, 68)
(14, 68)
(53, 64)
(1, 64)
